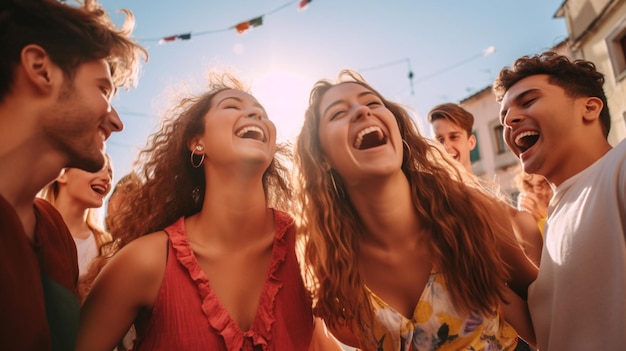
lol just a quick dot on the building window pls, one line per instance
(475, 154)
(502, 157)
(499, 140)
(616, 45)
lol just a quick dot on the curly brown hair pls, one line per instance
(578, 78)
(451, 204)
(170, 186)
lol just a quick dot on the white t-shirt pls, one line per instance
(87, 250)
(578, 301)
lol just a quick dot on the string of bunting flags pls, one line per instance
(243, 27)
(240, 27)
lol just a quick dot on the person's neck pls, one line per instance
(234, 210)
(27, 166)
(75, 217)
(387, 211)
(578, 161)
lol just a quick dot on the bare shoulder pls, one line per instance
(345, 335)
(145, 252)
(129, 282)
(322, 338)
(139, 266)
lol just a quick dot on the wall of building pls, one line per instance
(595, 28)
(496, 162)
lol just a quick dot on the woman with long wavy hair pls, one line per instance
(204, 256)
(404, 249)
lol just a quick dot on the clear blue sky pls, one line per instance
(441, 41)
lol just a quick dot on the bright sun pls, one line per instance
(285, 96)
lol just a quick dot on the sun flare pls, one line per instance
(285, 96)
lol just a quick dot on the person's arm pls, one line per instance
(528, 234)
(129, 282)
(345, 336)
(530, 203)
(522, 271)
(515, 311)
(322, 339)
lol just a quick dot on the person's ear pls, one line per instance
(195, 146)
(62, 178)
(593, 107)
(38, 68)
(472, 141)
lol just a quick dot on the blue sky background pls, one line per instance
(441, 41)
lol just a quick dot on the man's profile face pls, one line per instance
(82, 118)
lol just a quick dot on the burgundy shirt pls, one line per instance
(188, 315)
(39, 309)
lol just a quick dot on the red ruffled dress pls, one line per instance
(188, 315)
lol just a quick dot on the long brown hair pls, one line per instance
(451, 204)
(170, 187)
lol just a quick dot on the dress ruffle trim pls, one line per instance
(260, 331)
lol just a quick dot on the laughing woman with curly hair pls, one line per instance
(205, 255)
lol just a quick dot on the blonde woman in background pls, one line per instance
(77, 194)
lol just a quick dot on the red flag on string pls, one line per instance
(168, 39)
(244, 26)
(172, 38)
(303, 4)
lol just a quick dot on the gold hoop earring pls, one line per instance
(408, 149)
(193, 164)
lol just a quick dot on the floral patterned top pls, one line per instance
(436, 325)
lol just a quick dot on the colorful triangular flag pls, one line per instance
(171, 38)
(255, 22)
(244, 26)
(303, 4)
(168, 39)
